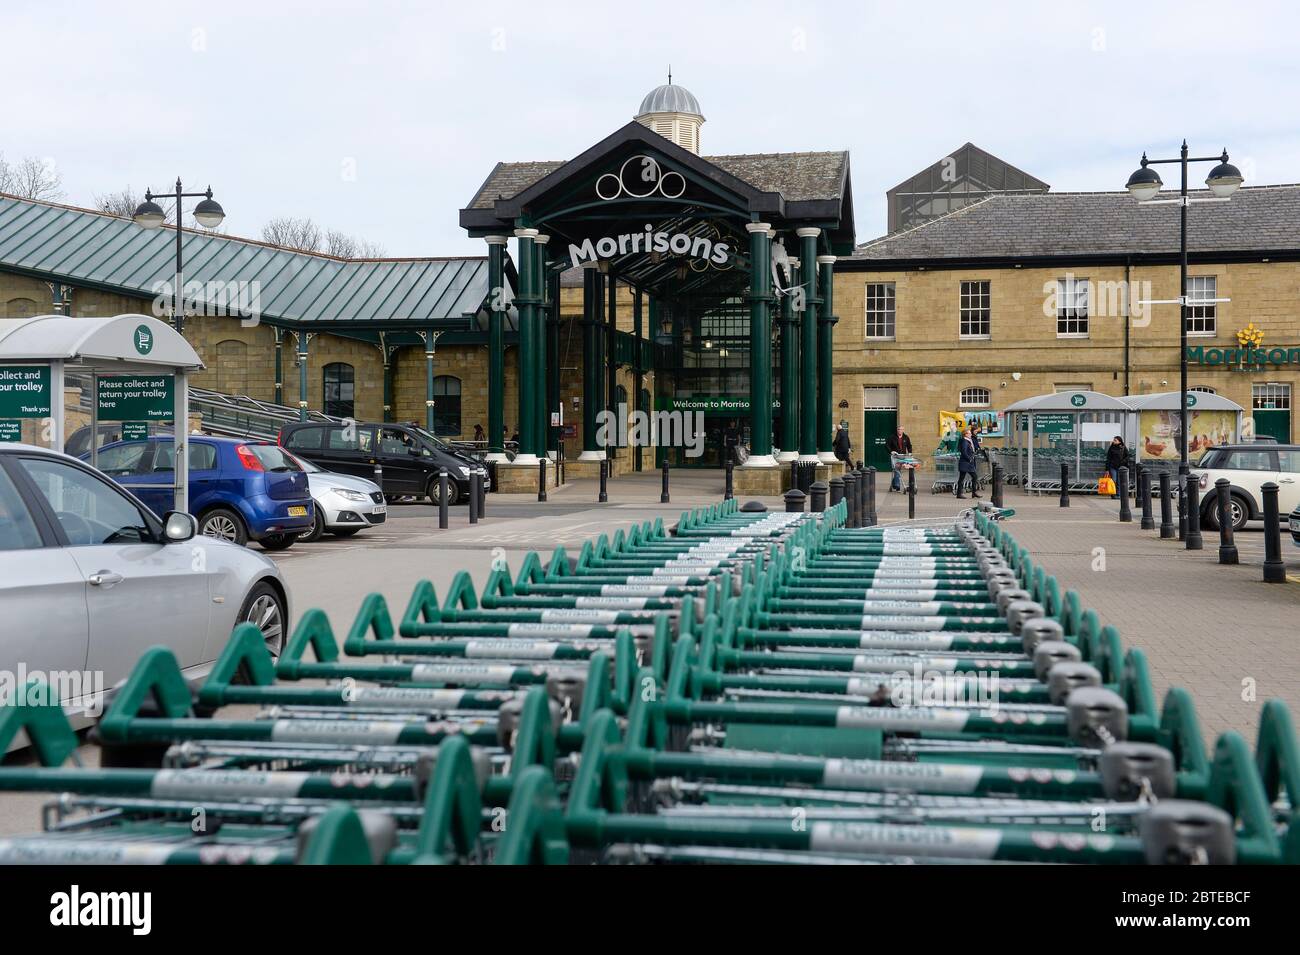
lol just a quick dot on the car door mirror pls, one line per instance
(179, 526)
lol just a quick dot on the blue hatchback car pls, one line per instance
(240, 489)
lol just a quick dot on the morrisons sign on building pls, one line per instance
(1246, 357)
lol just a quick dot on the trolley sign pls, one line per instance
(137, 398)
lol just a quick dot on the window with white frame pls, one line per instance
(880, 310)
(1202, 319)
(1270, 396)
(975, 309)
(975, 398)
(1071, 307)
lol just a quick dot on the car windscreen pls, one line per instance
(274, 457)
(307, 465)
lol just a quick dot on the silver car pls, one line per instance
(345, 503)
(90, 578)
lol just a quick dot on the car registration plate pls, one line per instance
(381, 509)
(297, 511)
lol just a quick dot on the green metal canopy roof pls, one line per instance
(95, 250)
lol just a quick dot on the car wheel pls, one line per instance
(434, 491)
(345, 531)
(317, 528)
(277, 541)
(1239, 511)
(264, 609)
(224, 524)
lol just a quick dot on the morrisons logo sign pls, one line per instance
(630, 243)
(1245, 357)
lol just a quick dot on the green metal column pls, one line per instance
(430, 340)
(541, 411)
(654, 313)
(591, 288)
(496, 435)
(637, 370)
(303, 339)
(611, 365)
(279, 365)
(386, 355)
(760, 345)
(808, 344)
(826, 359)
(552, 358)
(525, 302)
(789, 379)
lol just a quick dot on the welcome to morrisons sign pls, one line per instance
(1246, 357)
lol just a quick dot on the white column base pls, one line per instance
(785, 457)
(759, 461)
(809, 459)
(592, 456)
(524, 459)
(497, 457)
(827, 457)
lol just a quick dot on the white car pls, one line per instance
(1248, 467)
(345, 504)
(90, 579)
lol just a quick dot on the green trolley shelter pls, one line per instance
(135, 368)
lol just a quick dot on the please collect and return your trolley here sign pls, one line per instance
(135, 397)
(24, 393)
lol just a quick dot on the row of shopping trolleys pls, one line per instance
(743, 687)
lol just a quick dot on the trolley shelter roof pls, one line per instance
(122, 340)
(1069, 401)
(1172, 401)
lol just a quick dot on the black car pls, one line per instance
(411, 457)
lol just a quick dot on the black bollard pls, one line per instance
(1274, 569)
(818, 496)
(995, 496)
(794, 499)
(442, 498)
(869, 506)
(603, 496)
(1065, 484)
(473, 496)
(851, 499)
(1223, 509)
(729, 492)
(836, 490)
(379, 475)
(911, 493)
(482, 491)
(1125, 513)
(794, 473)
(663, 495)
(1144, 492)
(541, 480)
(1166, 508)
(1193, 538)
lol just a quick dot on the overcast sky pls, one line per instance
(382, 119)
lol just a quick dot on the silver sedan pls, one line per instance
(345, 503)
(90, 578)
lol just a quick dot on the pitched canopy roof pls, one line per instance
(1257, 219)
(50, 337)
(96, 250)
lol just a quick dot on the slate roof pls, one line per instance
(796, 176)
(1056, 224)
(94, 249)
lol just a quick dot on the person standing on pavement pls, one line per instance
(898, 443)
(966, 464)
(1116, 458)
(842, 446)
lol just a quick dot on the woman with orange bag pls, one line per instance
(1116, 458)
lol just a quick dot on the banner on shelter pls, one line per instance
(1159, 434)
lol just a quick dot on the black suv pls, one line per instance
(411, 457)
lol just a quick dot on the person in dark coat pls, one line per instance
(1116, 458)
(842, 446)
(966, 464)
(898, 443)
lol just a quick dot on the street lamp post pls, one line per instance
(150, 215)
(1144, 184)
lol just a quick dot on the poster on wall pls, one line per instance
(1159, 435)
(951, 423)
(990, 422)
